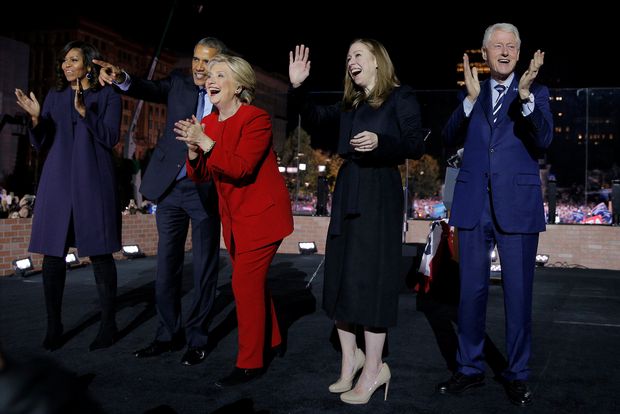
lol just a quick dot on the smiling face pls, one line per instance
(501, 53)
(202, 55)
(73, 65)
(362, 66)
(222, 86)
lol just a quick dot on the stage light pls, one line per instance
(281, 169)
(496, 268)
(132, 251)
(494, 255)
(321, 168)
(307, 247)
(71, 259)
(542, 259)
(23, 265)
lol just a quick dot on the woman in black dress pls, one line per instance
(379, 122)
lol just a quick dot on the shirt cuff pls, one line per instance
(124, 86)
(468, 106)
(527, 105)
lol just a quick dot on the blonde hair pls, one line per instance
(386, 79)
(242, 74)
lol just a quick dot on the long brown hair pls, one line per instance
(386, 79)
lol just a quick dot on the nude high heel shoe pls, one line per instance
(383, 377)
(345, 384)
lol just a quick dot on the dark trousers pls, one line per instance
(441, 318)
(517, 254)
(180, 206)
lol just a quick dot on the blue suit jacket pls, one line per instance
(180, 94)
(503, 156)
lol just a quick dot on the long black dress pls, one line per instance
(363, 251)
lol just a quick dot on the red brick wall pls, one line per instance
(590, 246)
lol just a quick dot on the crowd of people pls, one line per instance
(431, 208)
(11, 206)
(214, 168)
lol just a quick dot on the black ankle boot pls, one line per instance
(53, 337)
(106, 337)
(105, 276)
(54, 275)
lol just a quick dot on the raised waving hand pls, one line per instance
(298, 65)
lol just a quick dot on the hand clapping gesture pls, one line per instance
(30, 104)
(530, 74)
(299, 65)
(191, 132)
(471, 79)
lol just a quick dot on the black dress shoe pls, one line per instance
(460, 382)
(518, 392)
(239, 376)
(194, 355)
(156, 348)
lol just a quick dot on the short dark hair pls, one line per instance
(214, 43)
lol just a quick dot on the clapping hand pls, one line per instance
(471, 79)
(30, 104)
(191, 132)
(530, 74)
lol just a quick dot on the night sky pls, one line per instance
(425, 47)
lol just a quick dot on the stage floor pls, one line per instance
(576, 325)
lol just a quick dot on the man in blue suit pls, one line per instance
(179, 201)
(503, 123)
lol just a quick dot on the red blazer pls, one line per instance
(254, 203)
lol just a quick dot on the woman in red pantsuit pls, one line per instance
(234, 147)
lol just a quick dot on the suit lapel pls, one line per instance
(485, 99)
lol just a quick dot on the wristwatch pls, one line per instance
(529, 99)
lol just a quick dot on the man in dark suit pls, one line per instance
(504, 123)
(179, 201)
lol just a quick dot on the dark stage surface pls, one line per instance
(574, 365)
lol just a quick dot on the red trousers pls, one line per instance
(249, 278)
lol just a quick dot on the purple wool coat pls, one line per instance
(78, 177)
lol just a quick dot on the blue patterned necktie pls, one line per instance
(501, 89)
(200, 108)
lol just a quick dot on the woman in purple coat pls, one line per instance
(76, 203)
